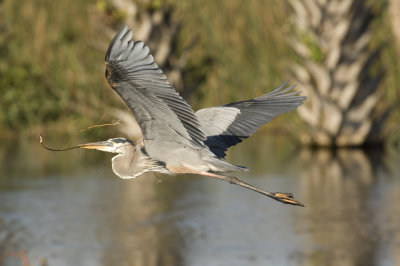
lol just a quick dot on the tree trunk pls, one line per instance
(155, 27)
(332, 39)
(394, 13)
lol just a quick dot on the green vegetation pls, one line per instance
(242, 44)
(51, 72)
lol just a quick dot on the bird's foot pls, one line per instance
(287, 198)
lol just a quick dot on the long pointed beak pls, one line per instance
(101, 145)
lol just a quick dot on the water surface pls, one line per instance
(69, 209)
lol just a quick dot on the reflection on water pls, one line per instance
(354, 215)
(69, 209)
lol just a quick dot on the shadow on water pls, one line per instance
(69, 209)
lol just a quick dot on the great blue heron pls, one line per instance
(176, 140)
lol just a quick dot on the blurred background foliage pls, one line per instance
(52, 71)
(49, 71)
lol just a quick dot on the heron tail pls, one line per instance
(221, 166)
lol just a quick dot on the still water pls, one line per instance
(69, 209)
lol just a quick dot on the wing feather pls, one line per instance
(158, 108)
(229, 124)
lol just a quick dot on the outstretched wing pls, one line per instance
(160, 111)
(229, 124)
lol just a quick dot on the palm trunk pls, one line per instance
(154, 26)
(337, 75)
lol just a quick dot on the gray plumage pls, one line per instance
(229, 124)
(158, 108)
(163, 115)
(168, 123)
(175, 139)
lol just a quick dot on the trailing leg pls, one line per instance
(286, 198)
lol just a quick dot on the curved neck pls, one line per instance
(132, 163)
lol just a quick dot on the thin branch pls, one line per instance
(86, 129)
(52, 149)
(65, 147)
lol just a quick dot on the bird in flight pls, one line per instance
(175, 139)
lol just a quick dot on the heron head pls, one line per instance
(115, 145)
